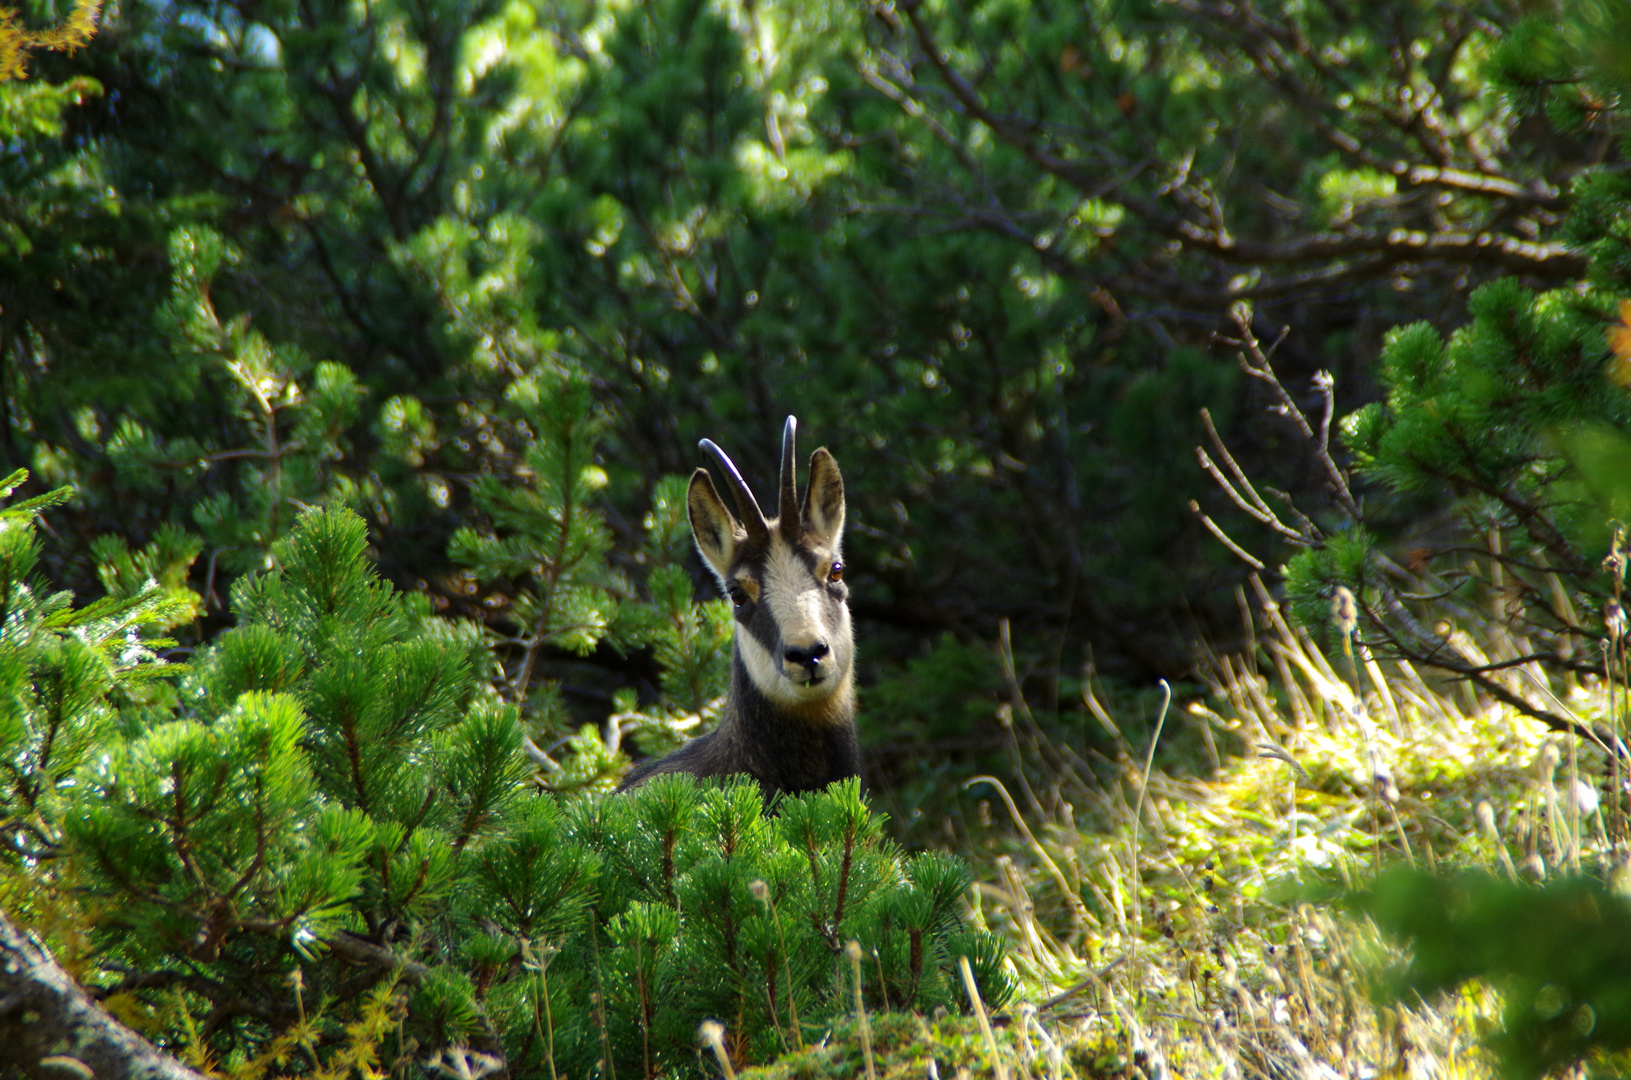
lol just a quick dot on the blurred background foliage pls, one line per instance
(472, 278)
(262, 255)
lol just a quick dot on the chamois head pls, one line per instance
(784, 575)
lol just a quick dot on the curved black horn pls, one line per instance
(753, 519)
(790, 524)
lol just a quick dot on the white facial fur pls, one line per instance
(793, 604)
(804, 612)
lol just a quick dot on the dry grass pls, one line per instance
(1210, 941)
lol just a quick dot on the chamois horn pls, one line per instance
(753, 519)
(790, 524)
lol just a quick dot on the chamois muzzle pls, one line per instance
(803, 665)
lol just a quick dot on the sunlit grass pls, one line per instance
(1209, 937)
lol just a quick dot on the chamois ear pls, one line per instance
(716, 532)
(823, 511)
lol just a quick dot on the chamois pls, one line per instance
(789, 721)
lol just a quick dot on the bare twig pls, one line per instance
(1212, 527)
(1255, 362)
(1238, 486)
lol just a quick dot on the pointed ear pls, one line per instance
(712, 526)
(823, 511)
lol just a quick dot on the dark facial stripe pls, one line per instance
(795, 572)
(762, 625)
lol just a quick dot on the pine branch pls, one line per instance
(44, 1014)
(359, 950)
(1392, 246)
(1412, 642)
(1331, 257)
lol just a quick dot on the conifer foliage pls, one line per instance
(67, 678)
(318, 848)
(551, 540)
(1517, 420)
(712, 908)
(544, 538)
(983, 247)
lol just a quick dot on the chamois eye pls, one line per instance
(738, 595)
(836, 573)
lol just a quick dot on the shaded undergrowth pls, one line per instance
(1167, 924)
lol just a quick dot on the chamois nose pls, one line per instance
(809, 657)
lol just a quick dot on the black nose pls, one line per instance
(809, 657)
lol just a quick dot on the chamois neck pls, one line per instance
(792, 748)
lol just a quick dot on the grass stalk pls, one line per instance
(973, 988)
(1138, 808)
(853, 951)
(713, 1035)
(761, 892)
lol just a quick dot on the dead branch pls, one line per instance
(50, 1028)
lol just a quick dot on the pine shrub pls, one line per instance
(321, 843)
(1517, 421)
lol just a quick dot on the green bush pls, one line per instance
(323, 839)
(1494, 469)
(1560, 954)
(710, 908)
